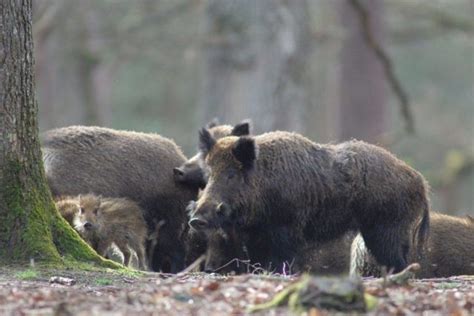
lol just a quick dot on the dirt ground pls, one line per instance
(35, 292)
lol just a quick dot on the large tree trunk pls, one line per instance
(362, 112)
(256, 62)
(30, 226)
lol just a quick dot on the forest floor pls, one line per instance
(69, 292)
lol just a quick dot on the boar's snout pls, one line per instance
(190, 174)
(88, 225)
(198, 223)
(178, 173)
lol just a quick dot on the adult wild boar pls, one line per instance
(138, 166)
(194, 172)
(294, 192)
(449, 250)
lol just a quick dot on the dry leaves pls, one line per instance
(200, 294)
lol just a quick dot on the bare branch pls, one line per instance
(386, 63)
(46, 21)
(439, 18)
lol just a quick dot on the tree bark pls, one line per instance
(30, 226)
(362, 113)
(256, 58)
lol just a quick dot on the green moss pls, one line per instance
(33, 229)
(103, 281)
(26, 222)
(29, 274)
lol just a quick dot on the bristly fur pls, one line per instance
(316, 193)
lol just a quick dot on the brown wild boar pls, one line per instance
(281, 192)
(69, 208)
(103, 221)
(449, 250)
(138, 166)
(194, 171)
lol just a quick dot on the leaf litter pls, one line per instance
(81, 293)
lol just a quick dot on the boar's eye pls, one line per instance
(81, 210)
(96, 211)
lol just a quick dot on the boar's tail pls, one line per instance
(423, 229)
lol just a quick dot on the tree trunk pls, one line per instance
(74, 83)
(362, 111)
(30, 226)
(257, 58)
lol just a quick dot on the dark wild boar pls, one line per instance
(138, 166)
(194, 172)
(449, 250)
(295, 192)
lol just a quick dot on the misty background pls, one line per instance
(311, 66)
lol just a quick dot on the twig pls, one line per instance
(400, 278)
(386, 64)
(193, 265)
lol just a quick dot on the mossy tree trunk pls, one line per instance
(30, 226)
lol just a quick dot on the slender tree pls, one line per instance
(30, 226)
(256, 61)
(363, 110)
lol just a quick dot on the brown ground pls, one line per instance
(29, 292)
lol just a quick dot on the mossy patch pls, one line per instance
(30, 274)
(103, 281)
(32, 228)
(26, 230)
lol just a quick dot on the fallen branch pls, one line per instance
(340, 294)
(401, 278)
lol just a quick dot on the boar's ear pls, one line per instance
(213, 123)
(241, 129)
(245, 151)
(206, 141)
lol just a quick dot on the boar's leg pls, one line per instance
(102, 247)
(388, 245)
(127, 254)
(141, 258)
(139, 248)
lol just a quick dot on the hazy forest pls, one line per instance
(230, 213)
(171, 66)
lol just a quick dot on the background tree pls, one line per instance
(256, 59)
(169, 66)
(362, 111)
(30, 226)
